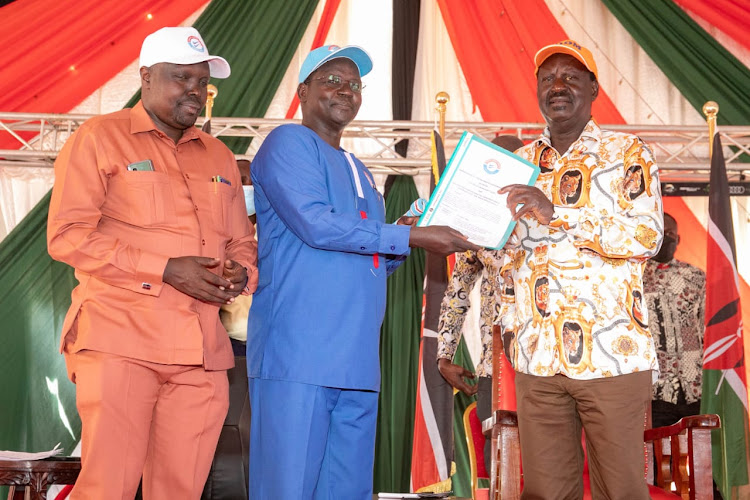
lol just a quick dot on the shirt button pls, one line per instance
(196, 208)
(361, 248)
(393, 247)
(203, 242)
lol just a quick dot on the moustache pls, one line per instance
(345, 103)
(191, 100)
(561, 93)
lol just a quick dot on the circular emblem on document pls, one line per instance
(491, 166)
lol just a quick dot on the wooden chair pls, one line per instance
(30, 478)
(475, 444)
(681, 453)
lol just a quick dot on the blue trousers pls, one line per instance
(311, 442)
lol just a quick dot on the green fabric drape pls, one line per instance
(258, 38)
(692, 59)
(38, 401)
(399, 356)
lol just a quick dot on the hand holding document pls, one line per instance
(467, 199)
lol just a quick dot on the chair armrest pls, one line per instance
(682, 455)
(690, 422)
(499, 417)
(505, 477)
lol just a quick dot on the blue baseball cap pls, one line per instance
(322, 55)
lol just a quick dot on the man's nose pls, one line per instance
(193, 87)
(345, 89)
(558, 83)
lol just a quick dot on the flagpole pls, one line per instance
(441, 98)
(212, 93)
(711, 110)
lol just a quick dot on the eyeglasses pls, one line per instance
(334, 82)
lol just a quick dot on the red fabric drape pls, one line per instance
(59, 53)
(730, 16)
(326, 19)
(495, 42)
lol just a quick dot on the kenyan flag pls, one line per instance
(724, 384)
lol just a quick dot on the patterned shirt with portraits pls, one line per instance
(469, 266)
(578, 308)
(675, 294)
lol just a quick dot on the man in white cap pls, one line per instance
(314, 326)
(150, 211)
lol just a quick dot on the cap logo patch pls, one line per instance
(195, 43)
(572, 43)
(332, 48)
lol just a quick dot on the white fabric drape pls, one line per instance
(21, 188)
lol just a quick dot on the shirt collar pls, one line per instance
(665, 265)
(661, 265)
(591, 132)
(140, 121)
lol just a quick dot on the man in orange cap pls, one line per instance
(585, 362)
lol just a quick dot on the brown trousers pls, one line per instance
(141, 418)
(612, 411)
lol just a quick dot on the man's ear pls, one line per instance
(145, 75)
(594, 89)
(302, 92)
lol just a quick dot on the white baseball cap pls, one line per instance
(181, 45)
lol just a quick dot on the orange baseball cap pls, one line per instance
(570, 47)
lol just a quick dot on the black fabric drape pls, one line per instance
(403, 60)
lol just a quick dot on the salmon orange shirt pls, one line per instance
(118, 227)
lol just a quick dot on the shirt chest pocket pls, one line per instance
(141, 199)
(220, 197)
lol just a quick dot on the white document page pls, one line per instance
(466, 197)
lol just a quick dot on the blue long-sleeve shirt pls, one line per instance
(320, 301)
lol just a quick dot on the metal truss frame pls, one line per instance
(681, 151)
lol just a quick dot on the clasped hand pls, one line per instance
(191, 276)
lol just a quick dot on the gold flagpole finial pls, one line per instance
(711, 110)
(212, 93)
(442, 98)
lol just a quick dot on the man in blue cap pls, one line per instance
(324, 254)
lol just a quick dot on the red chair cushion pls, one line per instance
(654, 492)
(478, 438)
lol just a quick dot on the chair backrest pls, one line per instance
(475, 443)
